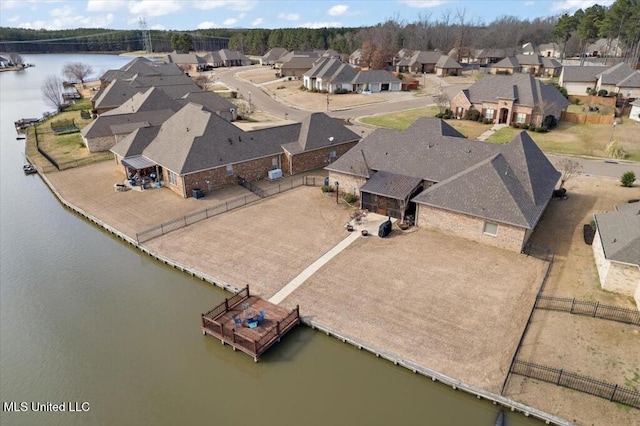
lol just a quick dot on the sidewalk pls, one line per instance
(486, 135)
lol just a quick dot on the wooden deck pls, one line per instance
(219, 322)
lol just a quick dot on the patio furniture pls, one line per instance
(260, 317)
(237, 322)
(252, 324)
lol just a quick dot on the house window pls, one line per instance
(229, 169)
(173, 180)
(489, 113)
(521, 117)
(332, 155)
(490, 228)
(274, 163)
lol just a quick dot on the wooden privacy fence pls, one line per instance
(592, 309)
(577, 382)
(574, 117)
(234, 203)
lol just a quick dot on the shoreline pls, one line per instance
(315, 325)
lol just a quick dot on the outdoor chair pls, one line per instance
(237, 322)
(260, 317)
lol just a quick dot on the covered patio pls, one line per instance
(142, 172)
(388, 194)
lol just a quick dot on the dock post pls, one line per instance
(226, 304)
(222, 334)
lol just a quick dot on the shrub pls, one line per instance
(314, 90)
(515, 125)
(303, 88)
(472, 114)
(350, 198)
(589, 90)
(576, 101)
(447, 116)
(487, 121)
(279, 87)
(627, 179)
(541, 129)
(326, 188)
(341, 91)
(440, 115)
(549, 122)
(602, 92)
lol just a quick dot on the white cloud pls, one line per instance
(242, 15)
(422, 3)
(321, 25)
(257, 21)
(229, 22)
(529, 3)
(12, 4)
(105, 5)
(578, 4)
(67, 17)
(289, 16)
(14, 19)
(206, 25)
(338, 9)
(154, 7)
(241, 5)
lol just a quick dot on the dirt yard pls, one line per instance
(450, 304)
(264, 245)
(605, 350)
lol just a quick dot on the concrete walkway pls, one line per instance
(491, 131)
(371, 224)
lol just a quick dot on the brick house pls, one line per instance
(616, 249)
(447, 66)
(539, 66)
(493, 194)
(196, 148)
(505, 99)
(149, 108)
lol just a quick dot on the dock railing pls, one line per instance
(227, 304)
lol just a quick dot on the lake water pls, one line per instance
(85, 318)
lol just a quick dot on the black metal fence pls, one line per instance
(538, 252)
(577, 382)
(234, 203)
(592, 309)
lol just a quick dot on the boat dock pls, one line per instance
(23, 123)
(249, 323)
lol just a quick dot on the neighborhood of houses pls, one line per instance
(159, 123)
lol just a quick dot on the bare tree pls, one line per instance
(16, 59)
(76, 71)
(568, 168)
(442, 100)
(52, 92)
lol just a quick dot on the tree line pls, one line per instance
(451, 29)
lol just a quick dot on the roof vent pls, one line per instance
(187, 129)
(230, 141)
(239, 138)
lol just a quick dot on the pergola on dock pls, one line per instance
(232, 322)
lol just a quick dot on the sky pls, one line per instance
(201, 14)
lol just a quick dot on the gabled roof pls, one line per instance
(108, 125)
(550, 62)
(391, 185)
(509, 183)
(615, 73)
(184, 58)
(232, 55)
(357, 54)
(374, 76)
(448, 62)
(620, 233)
(213, 58)
(425, 57)
(495, 53)
(510, 62)
(287, 56)
(152, 99)
(581, 74)
(523, 88)
(318, 130)
(274, 54)
(118, 91)
(299, 62)
(429, 149)
(326, 68)
(134, 143)
(548, 46)
(631, 81)
(195, 139)
(210, 100)
(530, 48)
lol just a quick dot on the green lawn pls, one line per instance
(568, 138)
(401, 120)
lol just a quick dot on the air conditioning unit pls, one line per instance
(275, 174)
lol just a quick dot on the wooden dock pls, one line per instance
(220, 323)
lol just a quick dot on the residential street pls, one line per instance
(266, 102)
